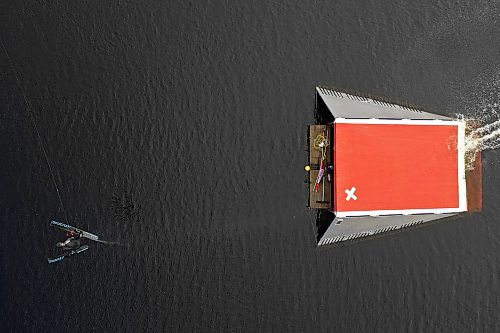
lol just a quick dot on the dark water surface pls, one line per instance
(178, 129)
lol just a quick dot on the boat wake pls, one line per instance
(107, 242)
(481, 134)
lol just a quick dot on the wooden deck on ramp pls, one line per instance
(323, 198)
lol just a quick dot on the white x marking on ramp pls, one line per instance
(350, 194)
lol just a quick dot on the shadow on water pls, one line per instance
(323, 220)
(321, 113)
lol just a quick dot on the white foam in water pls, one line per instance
(480, 102)
(483, 132)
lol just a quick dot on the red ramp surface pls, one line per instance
(383, 166)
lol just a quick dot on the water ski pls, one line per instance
(69, 228)
(68, 254)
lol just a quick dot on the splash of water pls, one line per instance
(482, 133)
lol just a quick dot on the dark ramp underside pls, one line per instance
(348, 228)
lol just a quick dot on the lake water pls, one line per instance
(179, 130)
